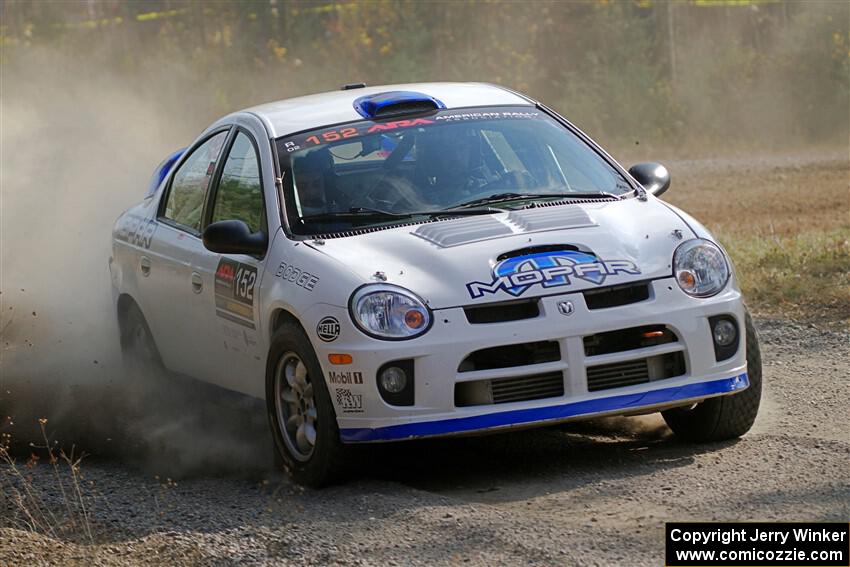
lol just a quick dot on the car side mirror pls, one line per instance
(234, 237)
(653, 176)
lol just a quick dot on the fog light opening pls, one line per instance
(725, 332)
(393, 379)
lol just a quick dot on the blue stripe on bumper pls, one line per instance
(626, 402)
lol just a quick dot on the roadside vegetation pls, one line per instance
(59, 508)
(786, 225)
(674, 75)
(805, 276)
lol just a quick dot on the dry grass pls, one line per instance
(805, 276)
(24, 502)
(786, 225)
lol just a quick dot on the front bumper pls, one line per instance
(547, 415)
(364, 416)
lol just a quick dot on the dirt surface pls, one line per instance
(766, 195)
(587, 494)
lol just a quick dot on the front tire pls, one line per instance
(726, 417)
(301, 415)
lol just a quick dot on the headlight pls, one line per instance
(700, 268)
(389, 312)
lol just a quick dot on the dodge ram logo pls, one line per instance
(549, 269)
(566, 307)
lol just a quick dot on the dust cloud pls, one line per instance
(78, 147)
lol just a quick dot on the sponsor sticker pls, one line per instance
(234, 292)
(137, 230)
(349, 402)
(345, 378)
(548, 269)
(350, 132)
(328, 329)
(289, 273)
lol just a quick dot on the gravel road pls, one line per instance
(587, 494)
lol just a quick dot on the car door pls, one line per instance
(171, 309)
(233, 342)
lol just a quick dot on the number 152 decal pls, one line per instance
(234, 291)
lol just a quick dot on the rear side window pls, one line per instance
(190, 183)
(240, 193)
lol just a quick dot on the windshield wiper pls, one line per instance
(505, 197)
(364, 213)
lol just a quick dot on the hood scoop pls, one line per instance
(534, 220)
(462, 231)
(456, 232)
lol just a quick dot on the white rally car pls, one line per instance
(420, 260)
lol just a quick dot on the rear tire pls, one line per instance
(725, 417)
(301, 415)
(138, 348)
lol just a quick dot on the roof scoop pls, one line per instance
(395, 103)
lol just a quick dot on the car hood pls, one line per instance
(518, 254)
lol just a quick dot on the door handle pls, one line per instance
(145, 266)
(197, 282)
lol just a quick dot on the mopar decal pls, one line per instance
(234, 292)
(136, 230)
(549, 269)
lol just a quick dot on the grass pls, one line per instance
(786, 225)
(23, 498)
(804, 276)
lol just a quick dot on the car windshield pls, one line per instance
(371, 173)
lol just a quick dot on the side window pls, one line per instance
(240, 194)
(189, 186)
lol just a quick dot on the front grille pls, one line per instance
(502, 312)
(616, 296)
(628, 339)
(509, 356)
(526, 388)
(507, 390)
(631, 372)
(617, 375)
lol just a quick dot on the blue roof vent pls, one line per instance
(395, 103)
(162, 170)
